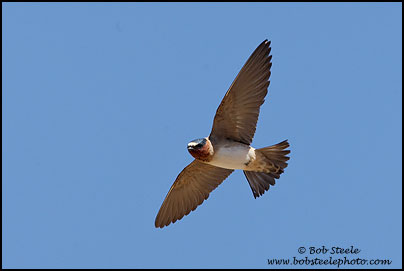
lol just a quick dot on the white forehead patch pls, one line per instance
(192, 144)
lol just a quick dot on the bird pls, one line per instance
(228, 147)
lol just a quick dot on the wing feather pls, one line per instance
(189, 190)
(237, 115)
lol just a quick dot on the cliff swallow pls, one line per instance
(228, 146)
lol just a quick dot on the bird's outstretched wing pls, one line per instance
(237, 115)
(189, 190)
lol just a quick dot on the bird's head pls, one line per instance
(200, 149)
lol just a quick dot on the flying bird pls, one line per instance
(228, 147)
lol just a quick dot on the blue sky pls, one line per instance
(100, 101)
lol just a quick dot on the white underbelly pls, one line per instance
(233, 157)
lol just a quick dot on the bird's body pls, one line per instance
(228, 147)
(232, 155)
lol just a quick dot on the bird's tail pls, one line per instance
(275, 157)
